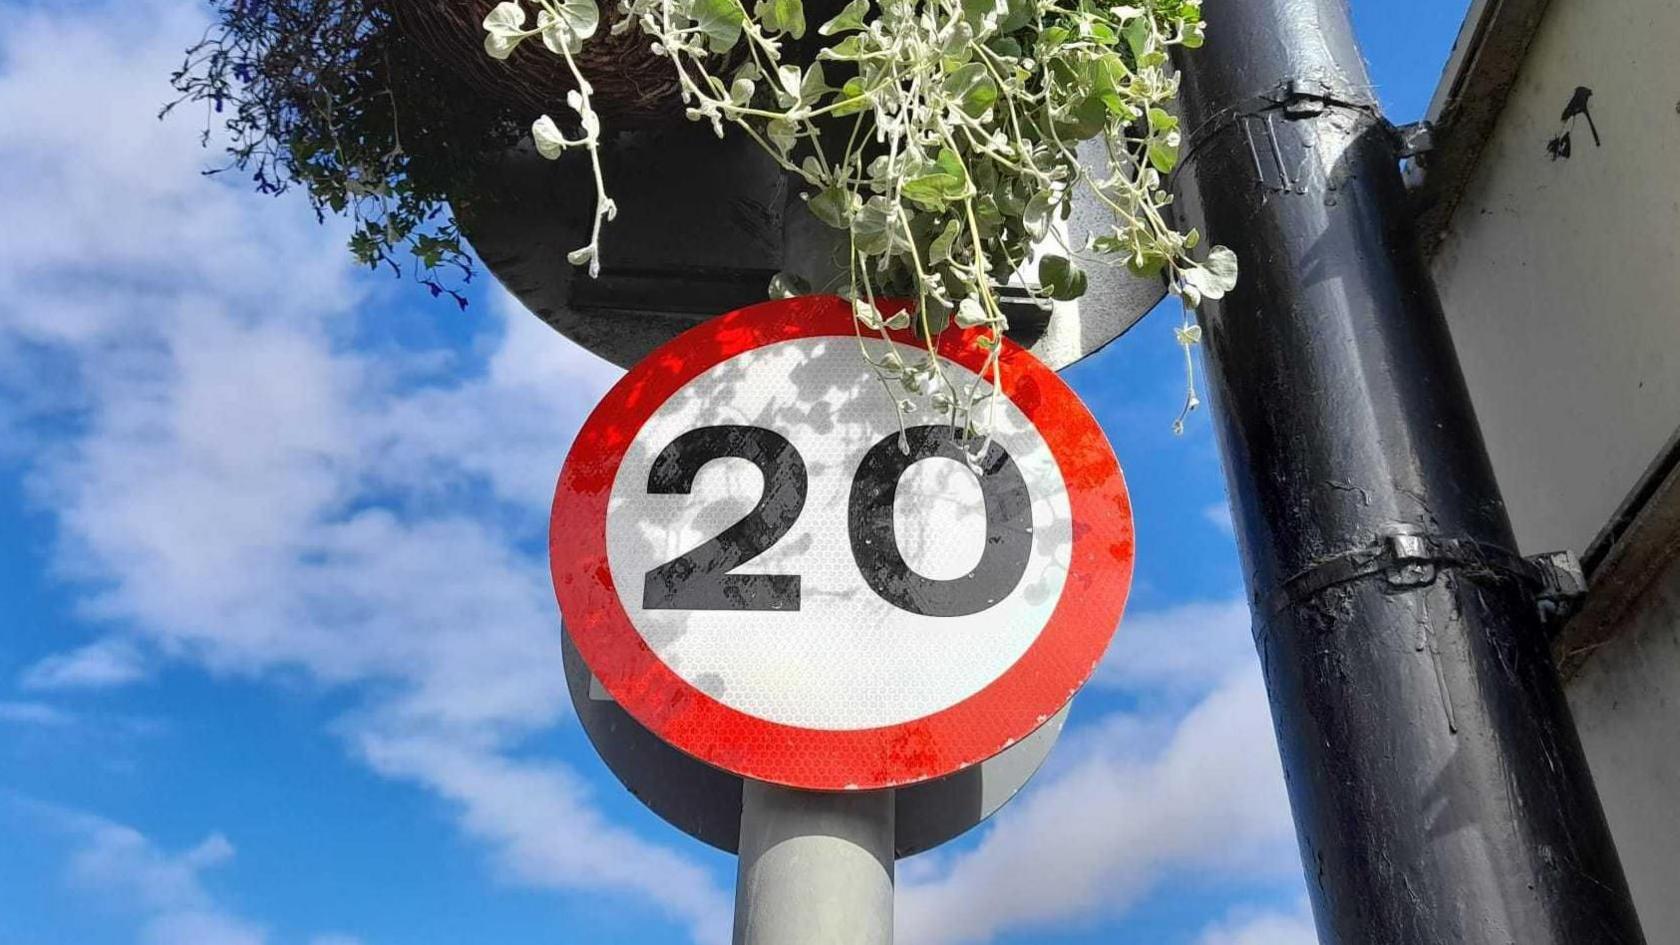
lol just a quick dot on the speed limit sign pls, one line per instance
(773, 569)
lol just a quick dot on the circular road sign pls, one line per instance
(766, 571)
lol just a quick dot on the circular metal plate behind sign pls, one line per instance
(705, 802)
(702, 225)
(768, 572)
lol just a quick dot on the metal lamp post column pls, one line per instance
(1439, 789)
(816, 869)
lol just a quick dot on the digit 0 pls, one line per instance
(1009, 527)
(700, 579)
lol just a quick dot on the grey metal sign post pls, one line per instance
(816, 869)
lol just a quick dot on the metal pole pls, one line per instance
(1439, 789)
(816, 869)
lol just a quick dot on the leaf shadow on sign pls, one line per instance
(740, 530)
(736, 539)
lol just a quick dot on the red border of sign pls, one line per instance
(1054, 667)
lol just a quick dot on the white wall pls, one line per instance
(1562, 279)
(1626, 702)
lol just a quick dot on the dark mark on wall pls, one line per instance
(1561, 146)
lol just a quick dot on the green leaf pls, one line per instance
(942, 246)
(1006, 46)
(565, 33)
(582, 17)
(932, 191)
(958, 46)
(782, 134)
(950, 163)
(973, 88)
(830, 207)
(782, 16)
(984, 15)
(1061, 279)
(720, 21)
(850, 99)
(1017, 13)
(1147, 265)
(550, 142)
(505, 17)
(1036, 216)
(850, 19)
(814, 86)
(1215, 277)
(1086, 120)
(970, 313)
(1109, 73)
(1137, 37)
(872, 229)
(504, 27)
(790, 78)
(938, 184)
(849, 48)
(1163, 156)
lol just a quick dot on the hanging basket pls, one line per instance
(632, 87)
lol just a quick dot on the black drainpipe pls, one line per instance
(1440, 792)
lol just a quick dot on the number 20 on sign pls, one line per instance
(770, 570)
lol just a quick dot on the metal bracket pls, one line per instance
(1296, 98)
(1563, 586)
(1415, 139)
(1408, 557)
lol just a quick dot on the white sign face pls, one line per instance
(769, 570)
(836, 654)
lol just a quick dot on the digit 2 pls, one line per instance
(700, 579)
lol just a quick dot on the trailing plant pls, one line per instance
(941, 137)
(329, 96)
(945, 141)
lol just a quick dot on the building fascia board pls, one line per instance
(1634, 548)
(1483, 68)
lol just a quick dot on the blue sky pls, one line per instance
(278, 656)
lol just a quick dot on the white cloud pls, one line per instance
(34, 713)
(1267, 928)
(539, 819)
(1191, 785)
(163, 890)
(99, 665)
(242, 490)
(1127, 810)
(1219, 515)
(1184, 649)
